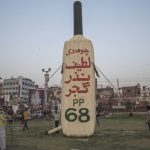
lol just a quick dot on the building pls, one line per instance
(105, 93)
(18, 87)
(104, 99)
(134, 98)
(131, 91)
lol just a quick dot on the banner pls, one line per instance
(78, 88)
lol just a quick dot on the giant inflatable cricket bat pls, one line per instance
(78, 82)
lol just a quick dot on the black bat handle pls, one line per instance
(78, 18)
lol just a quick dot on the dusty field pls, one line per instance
(116, 133)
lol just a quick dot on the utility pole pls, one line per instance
(118, 88)
(46, 77)
(0, 87)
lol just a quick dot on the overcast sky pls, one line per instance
(33, 32)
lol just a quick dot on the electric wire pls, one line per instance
(106, 79)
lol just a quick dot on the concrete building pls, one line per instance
(19, 87)
(105, 93)
(131, 91)
(104, 99)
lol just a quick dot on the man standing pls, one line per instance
(3, 121)
(25, 118)
(97, 109)
(10, 114)
(57, 118)
(148, 116)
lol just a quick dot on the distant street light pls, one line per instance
(46, 76)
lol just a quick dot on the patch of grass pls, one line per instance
(119, 132)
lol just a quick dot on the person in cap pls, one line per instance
(3, 122)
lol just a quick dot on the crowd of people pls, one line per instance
(23, 114)
(7, 116)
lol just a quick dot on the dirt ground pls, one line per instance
(119, 132)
